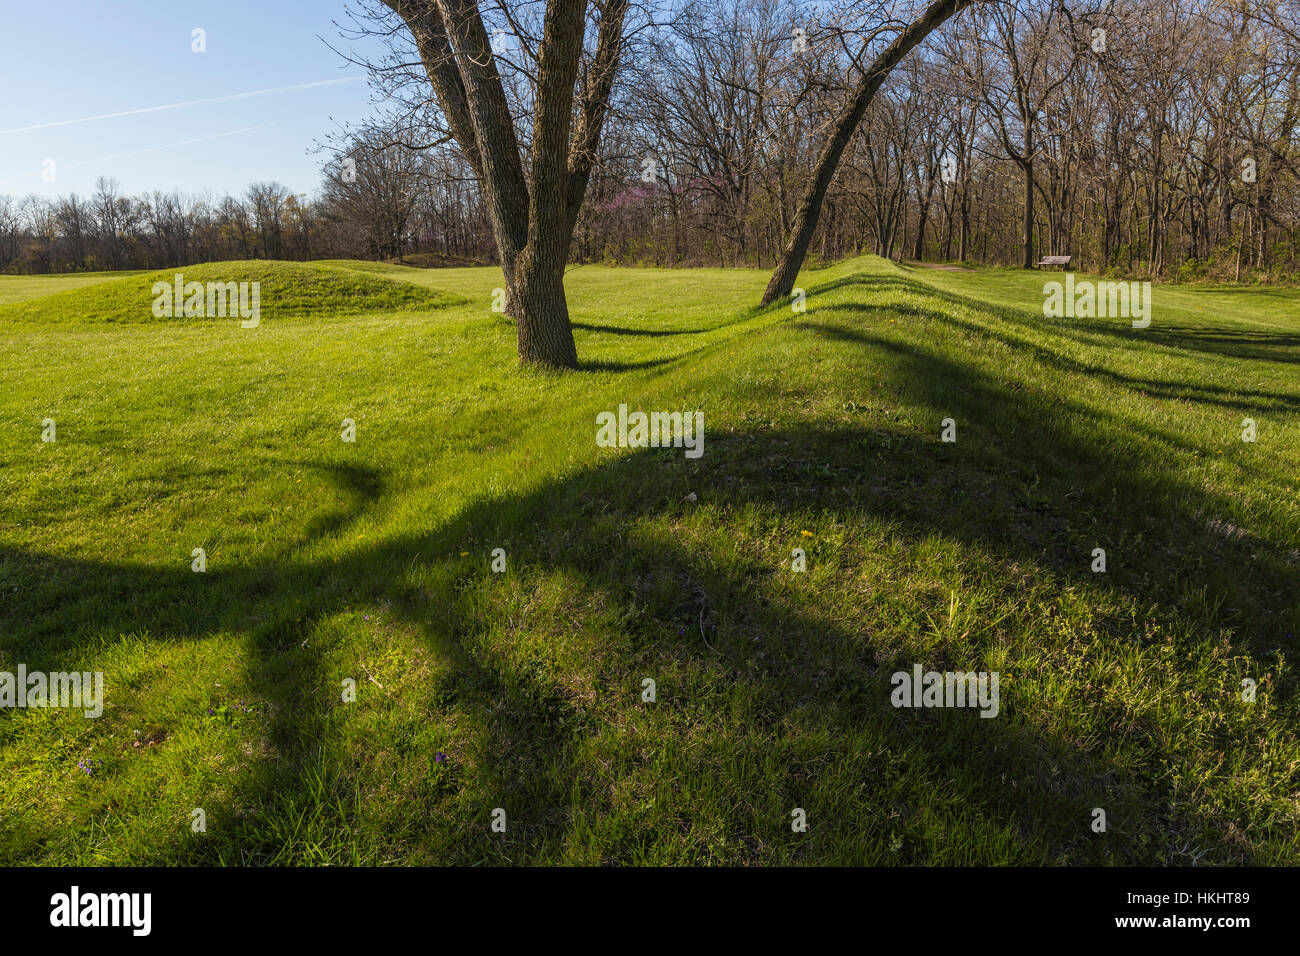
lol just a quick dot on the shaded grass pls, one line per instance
(371, 561)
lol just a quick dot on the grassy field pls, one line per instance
(17, 288)
(330, 560)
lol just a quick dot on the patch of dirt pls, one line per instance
(941, 266)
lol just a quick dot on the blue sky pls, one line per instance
(66, 60)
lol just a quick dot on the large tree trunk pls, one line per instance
(805, 219)
(545, 336)
(534, 214)
(542, 314)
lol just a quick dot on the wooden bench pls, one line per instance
(1061, 261)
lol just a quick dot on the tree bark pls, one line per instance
(1028, 168)
(534, 214)
(545, 335)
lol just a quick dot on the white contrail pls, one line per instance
(140, 152)
(174, 106)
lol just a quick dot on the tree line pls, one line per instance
(1141, 137)
(108, 230)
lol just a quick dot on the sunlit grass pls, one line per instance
(370, 561)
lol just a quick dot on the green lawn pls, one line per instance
(16, 288)
(370, 560)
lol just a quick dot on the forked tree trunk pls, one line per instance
(533, 213)
(805, 219)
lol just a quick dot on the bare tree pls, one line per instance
(805, 219)
(532, 199)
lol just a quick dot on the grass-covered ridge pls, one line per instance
(287, 290)
(371, 561)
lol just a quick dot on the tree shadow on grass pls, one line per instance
(638, 333)
(809, 687)
(769, 698)
(1244, 344)
(1072, 458)
(602, 365)
(1099, 333)
(1231, 343)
